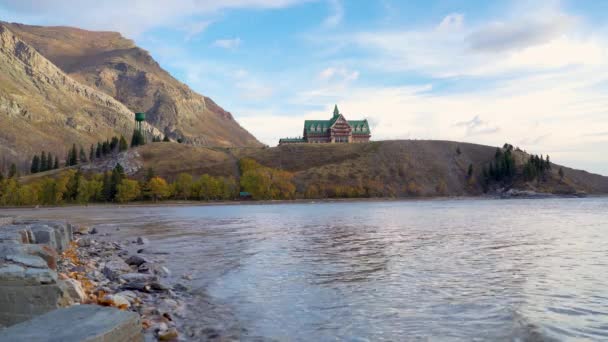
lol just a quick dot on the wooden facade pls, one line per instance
(335, 130)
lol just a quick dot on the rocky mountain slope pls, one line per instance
(114, 65)
(42, 108)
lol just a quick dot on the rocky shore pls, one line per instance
(122, 274)
(45, 265)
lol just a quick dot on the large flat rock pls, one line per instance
(86, 323)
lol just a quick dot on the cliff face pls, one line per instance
(114, 65)
(42, 108)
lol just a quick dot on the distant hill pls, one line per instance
(405, 168)
(62, 85)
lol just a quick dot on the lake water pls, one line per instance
(457, 270)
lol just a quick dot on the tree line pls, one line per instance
(75, 187)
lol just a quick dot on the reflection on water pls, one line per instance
(455, 270)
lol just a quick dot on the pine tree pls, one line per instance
(137, 139)
(470, 171)
(123, 145)
(42, 165)
(105, 148)
(49, 161)
(35, 168)
(113, 144)
(12, 171)
(561, 173)
(92, 153)
(83, 155)
(166, 139)
(56, 165)
(98, 151)
(73, 155)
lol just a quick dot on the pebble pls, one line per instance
(168, 335)
(142, 241)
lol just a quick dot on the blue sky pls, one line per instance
(532, 73)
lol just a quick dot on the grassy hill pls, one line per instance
(391, 168)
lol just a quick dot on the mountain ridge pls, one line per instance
(116, 66)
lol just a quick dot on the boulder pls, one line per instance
(138, 281)
(136, 260)
(74, 290)
(90, 323)
(142, 241)
(114, 268)
(27, 260)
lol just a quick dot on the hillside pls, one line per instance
(392, 168)
(115, 66)
(41, 108)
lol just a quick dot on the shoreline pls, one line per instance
(192, 203)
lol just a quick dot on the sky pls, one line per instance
(530, 73)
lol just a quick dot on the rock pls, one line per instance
(144, 268)
(136, 260)
(84, 242)
(74, 290)
(158, 286)
(163, 271)
(138, 281)
(82, 230)
(117, 300)
(114, 268)
(142, 241)
(27, 260)
(181, 287)
(129, 295)
(93, 231)
(139, 251)
(168, 335)
(78, 323)
(45, 252)
(187, 276)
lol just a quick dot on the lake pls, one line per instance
(457, 270)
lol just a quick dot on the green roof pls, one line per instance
(321, 126)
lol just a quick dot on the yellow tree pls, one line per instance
(158, 188)
(183, 186)
(128, 190)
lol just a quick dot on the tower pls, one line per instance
(139, 118)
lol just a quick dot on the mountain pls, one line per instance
(114, 65)
(42, 108)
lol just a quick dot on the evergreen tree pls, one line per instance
(166, 138)
(118, 174)
(106, 192)
(92, 153)
(12, 171)
(98, 151)
(137, 139)
(470, 171)
(67, 159)
(458, 152)
(49, 161)
(73, 155)
(561, 173)
(122, 145)
(42, 165)
(83, 155)
(548, 163)
(56, 165)
(114, 144)
(105, 148)
(35, 168)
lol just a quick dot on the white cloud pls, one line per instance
(336, 16)
(229, 44)
(131, 18)
(338, 74)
